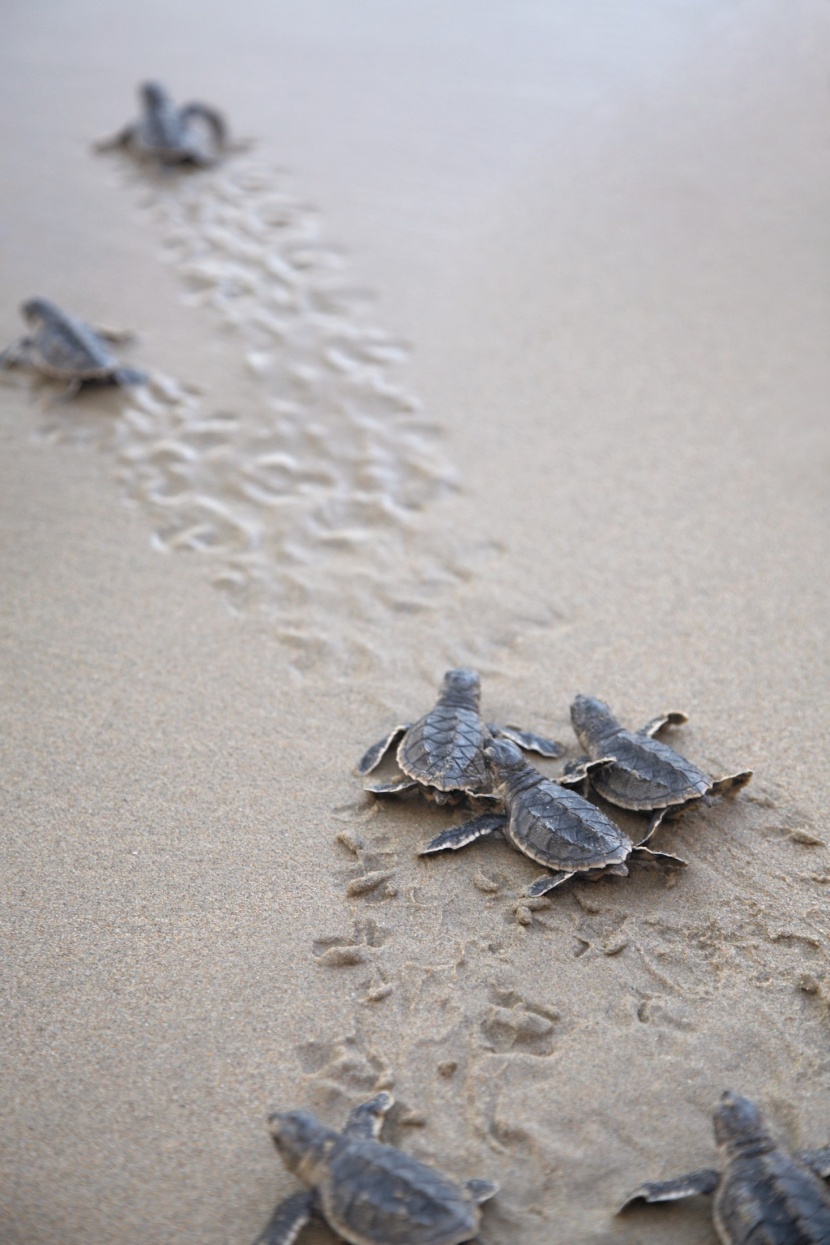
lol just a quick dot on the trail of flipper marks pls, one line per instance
(308, 500)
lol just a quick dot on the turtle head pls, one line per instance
(35, 309)
(300, 1139)
(503, 757)
(153, 94)
(739, 1124)
(592, 720)
(462, 687)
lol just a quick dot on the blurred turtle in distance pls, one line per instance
(193, 134)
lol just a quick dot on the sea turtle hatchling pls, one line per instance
(443, 752)
(368, 1192)
(551, 824)
(193, 134)
(641, 772)
(764, 1195)
(62, 347)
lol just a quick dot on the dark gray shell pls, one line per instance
(551, 824)
(66, 348)
(374, 1194)
(445, 750)
(771, 1199)
(647, 774)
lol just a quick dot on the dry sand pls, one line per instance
(597, 236)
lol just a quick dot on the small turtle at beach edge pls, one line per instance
(764, 1195)
(367, 1192)
(193, 134)
(442, 754)
(62, 347)
(640, 773)
(551, 824)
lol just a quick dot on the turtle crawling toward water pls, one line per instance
(551, 824)
(764, 1195)
(193, 134)
(640, 772)
(367, 1192)
(62, 347)
(443, 752)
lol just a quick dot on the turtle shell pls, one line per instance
(374, 1194)
(770, 1199)
(646, 774)
(560, 830)
(445, 749)
(65, 347)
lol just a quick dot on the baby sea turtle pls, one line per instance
(194, 134)
(368, 1192)
(443, 752)
(549, 823)
(764, 1195)
(63, 347)
(642, 773)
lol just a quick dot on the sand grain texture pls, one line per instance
(510, 346)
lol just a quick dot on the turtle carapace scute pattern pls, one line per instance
(193, 134)
(763, 1195)
(367, 1192)
(62, 347)
(442, 754)
(640, 772)
(551, 824)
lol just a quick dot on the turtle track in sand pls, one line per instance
(308, 499)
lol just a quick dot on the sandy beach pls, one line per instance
(503, 345)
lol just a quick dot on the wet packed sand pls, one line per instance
(505, 346)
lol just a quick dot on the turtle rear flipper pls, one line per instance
(288, 1220)
(467, 832)
(706, 1180)
(818, 1161)
(663, 720)
(395, 787)
(373, 756)
(17, 353)
(123, 138)
(366, 1121)
(528, 740)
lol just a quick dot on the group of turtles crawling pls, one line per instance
(62, 347)
(368, 1192)
(451, 755)
(371, 1193)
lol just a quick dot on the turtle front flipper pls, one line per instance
(213, 119)
(818, 1161)
(663, 720)
(706, 1180)
(528, 740)
(731, 783)
(577, 773)
(467, 832)
(366, 1121)
(18, 354)
(646, 858)
(373, 756)
(288, 1220)
(481, 1190)
(394, 787)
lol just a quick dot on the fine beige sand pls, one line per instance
(505, 344)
